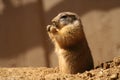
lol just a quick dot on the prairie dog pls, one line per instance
(66, 32)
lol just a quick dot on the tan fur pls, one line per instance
(70, 44)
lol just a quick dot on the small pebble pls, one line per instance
(89, 74)
(113, 76)
(100, 73)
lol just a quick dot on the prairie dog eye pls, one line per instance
(67, 19)
(65, 16)
(64, 20)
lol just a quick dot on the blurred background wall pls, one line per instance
(24, 40)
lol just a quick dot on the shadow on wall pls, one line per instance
(20, 29)
(81, 7)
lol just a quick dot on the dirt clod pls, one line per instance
(114, 76)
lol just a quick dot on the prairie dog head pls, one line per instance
(66, 29)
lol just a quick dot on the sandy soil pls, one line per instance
(105, 71)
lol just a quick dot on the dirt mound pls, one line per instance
(105, 71)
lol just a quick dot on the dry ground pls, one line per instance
(106, 71)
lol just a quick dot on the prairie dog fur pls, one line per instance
(66, 32)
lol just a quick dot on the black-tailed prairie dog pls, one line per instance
(66, 32)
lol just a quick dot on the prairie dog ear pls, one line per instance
(76, 23)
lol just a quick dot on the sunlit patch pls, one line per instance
(17, 3)
(2, 6)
